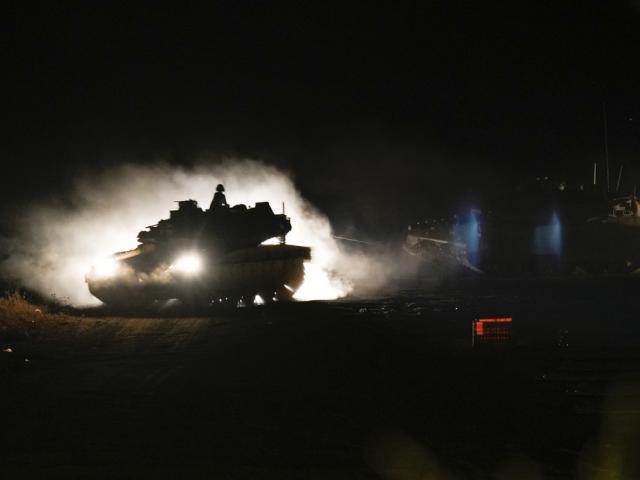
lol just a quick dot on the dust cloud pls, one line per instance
(55, 244)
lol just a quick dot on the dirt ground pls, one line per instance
(384, 388)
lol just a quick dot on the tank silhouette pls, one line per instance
(203, 256)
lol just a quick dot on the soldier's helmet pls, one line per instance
(220, 188)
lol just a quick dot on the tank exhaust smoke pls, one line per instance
(56, 244)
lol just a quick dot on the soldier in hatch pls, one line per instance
(219, 200)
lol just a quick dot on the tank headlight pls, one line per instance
(105, 267)
(188, 264)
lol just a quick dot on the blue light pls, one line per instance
(547, 239)
(467, 231)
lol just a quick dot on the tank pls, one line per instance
(205, 256)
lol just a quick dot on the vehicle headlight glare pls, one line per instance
(188, 264)
(105, 267)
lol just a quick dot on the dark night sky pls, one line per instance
(397, 107)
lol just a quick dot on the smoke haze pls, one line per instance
(57, 243)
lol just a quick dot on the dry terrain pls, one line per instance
(385, 388)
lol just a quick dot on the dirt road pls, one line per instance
(203, 394)
(315, 390)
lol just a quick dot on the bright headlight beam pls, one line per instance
(189, 263)
(105, 267)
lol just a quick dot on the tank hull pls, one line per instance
(274, 272)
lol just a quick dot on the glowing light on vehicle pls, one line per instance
(188, 264)
(318, 285)
(258, 300)
(105, 267)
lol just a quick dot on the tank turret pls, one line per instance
(226, 228)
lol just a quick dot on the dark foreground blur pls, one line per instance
(387, 388)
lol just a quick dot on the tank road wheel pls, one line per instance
(242, 299)
(268, 297)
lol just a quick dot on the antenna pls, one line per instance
(595, 174)
(619, 178)
(606, 142)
